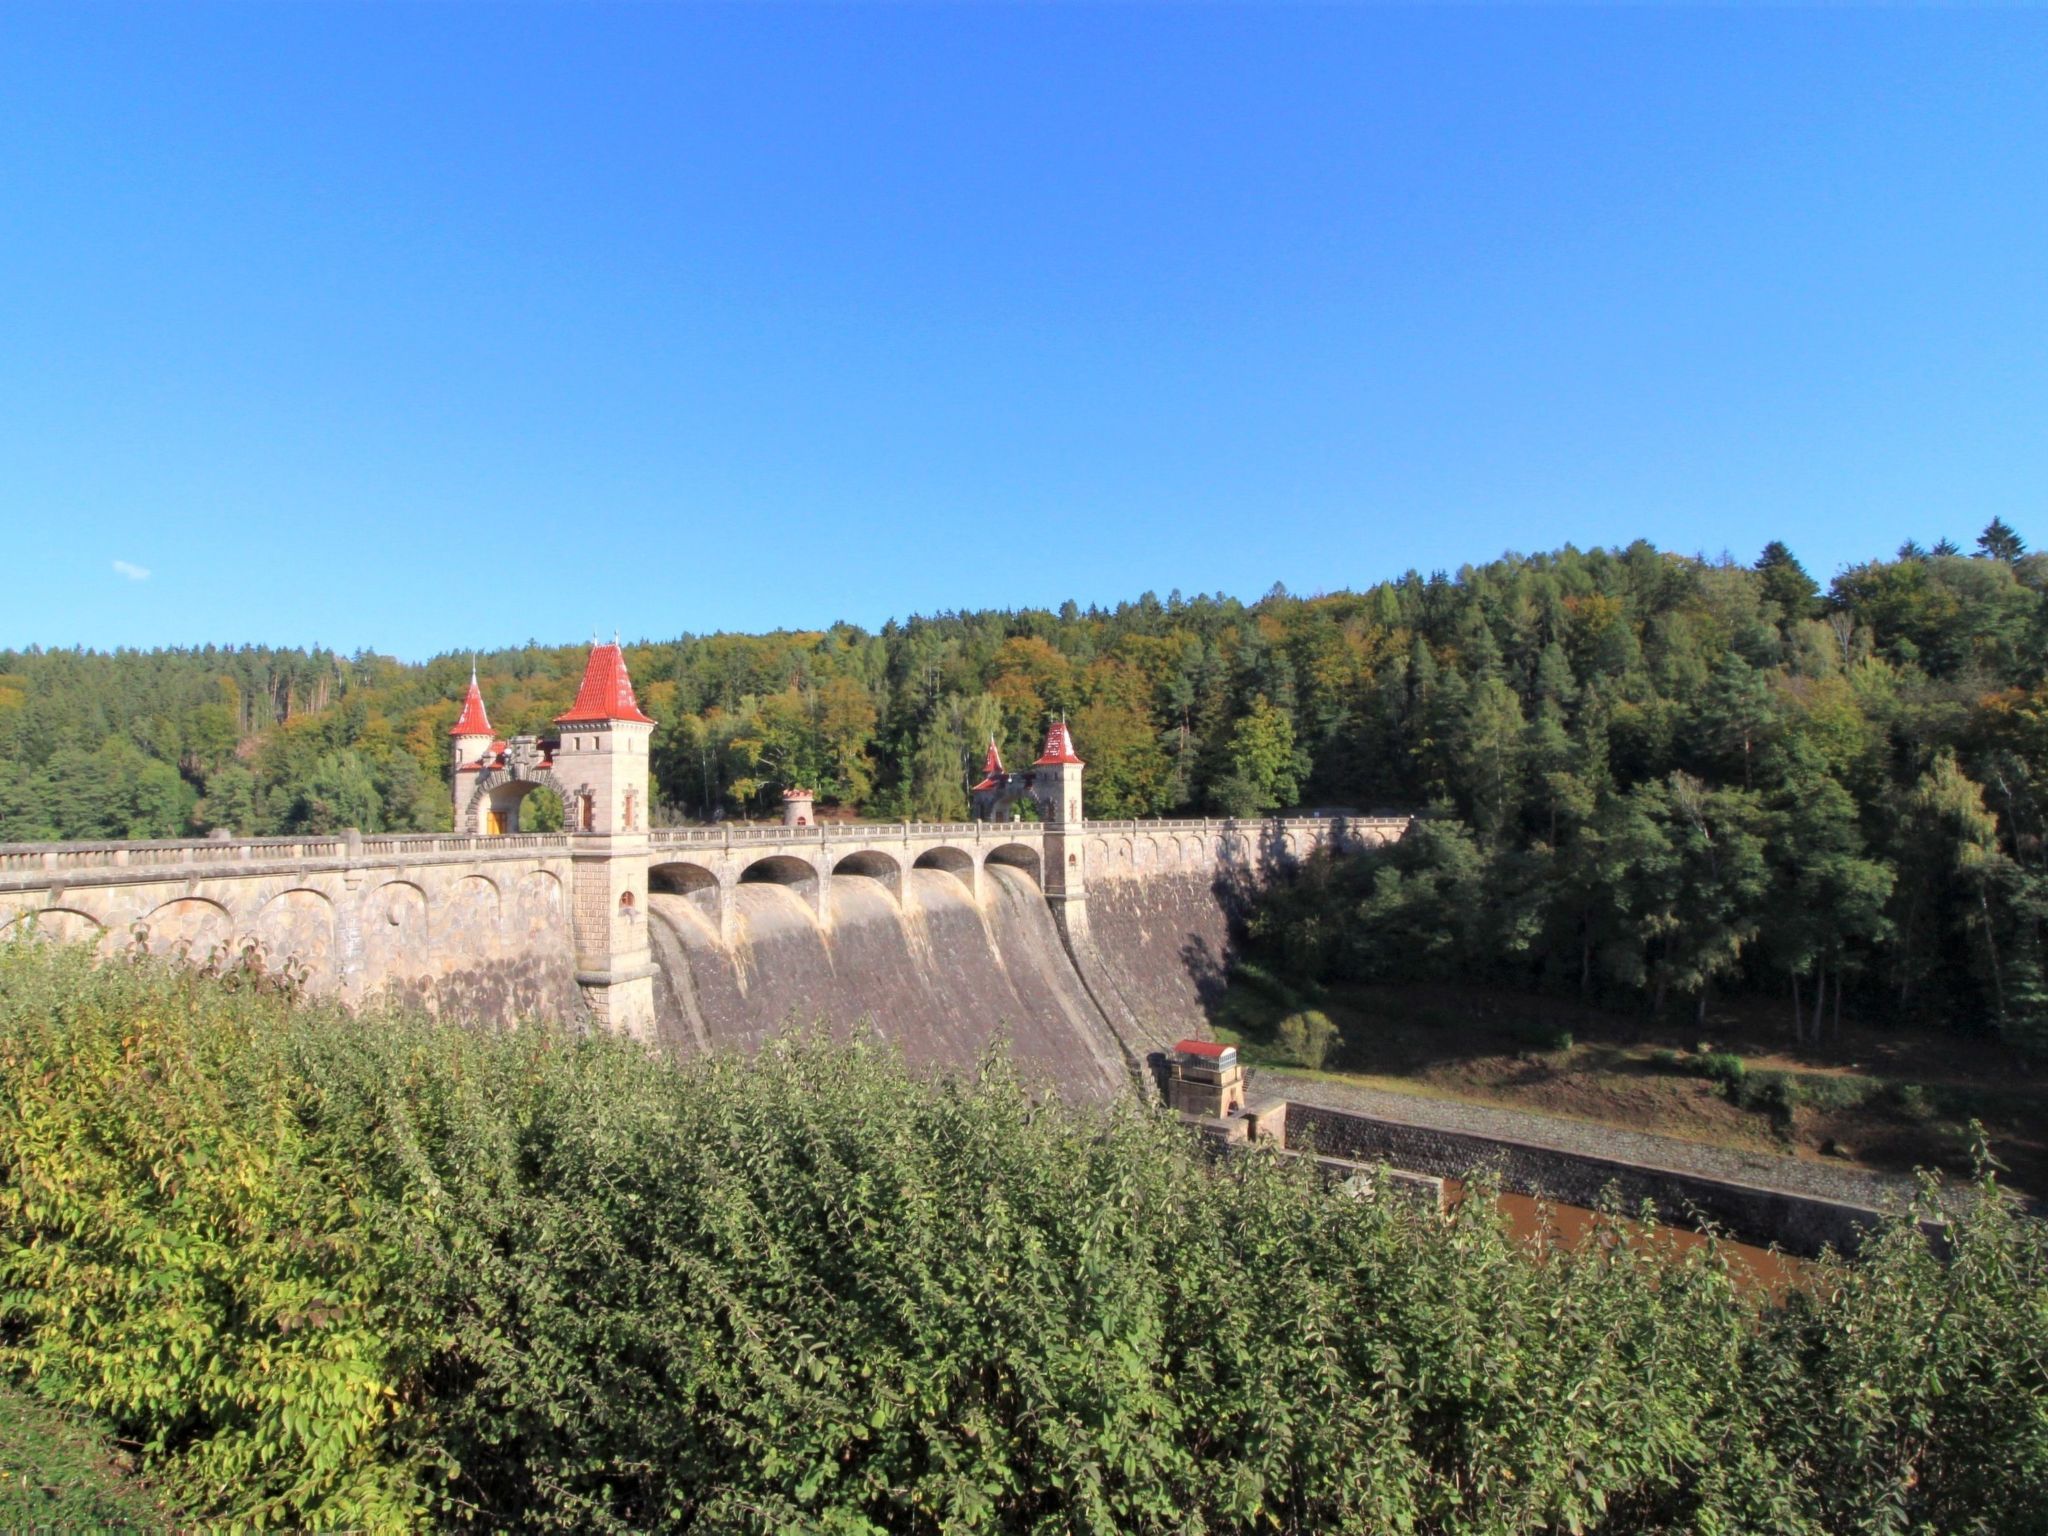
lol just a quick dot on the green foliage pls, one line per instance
(387, 1273)
(1772, 1093)
(1306, 1037)
(1725, 1068)
(183, 1257)
(1542, 1034)
(56, 1474)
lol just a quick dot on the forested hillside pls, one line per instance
(1661, 773)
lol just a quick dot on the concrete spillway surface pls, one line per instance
(939, 975)
(1162, 945)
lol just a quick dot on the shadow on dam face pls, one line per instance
(940, 974)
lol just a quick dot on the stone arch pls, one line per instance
(395, 931)
(797, 876)
(704, 889)
(872, 864)
(680, 879)
(1019, 856)
(296, 925)
(537, 905)
(61, 925)
(189, 925)
(490, 782)
(956, 862)
(473, 908)
(780, 869)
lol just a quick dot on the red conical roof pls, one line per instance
(1059, 747)
(607, 693)
(991, 768)
(474, 721)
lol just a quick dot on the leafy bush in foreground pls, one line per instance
(382, 1272)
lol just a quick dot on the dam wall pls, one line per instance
(1165, 909)
(469, 927)
(942, 973)
(1089, 946)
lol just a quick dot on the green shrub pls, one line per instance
(1541, 1033)
(181, 1255)
(1306, 1038)
(1910, 1100)
(386, 1273)
(1664, 1059)
(1773, 1093)
(1836, 1091)
(1725, 1068)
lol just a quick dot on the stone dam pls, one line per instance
(942, 937)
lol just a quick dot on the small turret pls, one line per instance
(991, 769)
(472, 740)
(1056, 778)
(797, 810)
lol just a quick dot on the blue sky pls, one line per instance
(426, 327)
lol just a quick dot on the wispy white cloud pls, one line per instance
(131, 570)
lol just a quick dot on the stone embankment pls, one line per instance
(1800, 1206)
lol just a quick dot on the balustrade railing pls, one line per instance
(60, 859)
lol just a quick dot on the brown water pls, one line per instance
(1537, 1223)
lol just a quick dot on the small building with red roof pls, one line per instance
(1204, 1078)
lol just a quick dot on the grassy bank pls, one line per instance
(58, 1474)
(383, 1273)
(1892, 1102)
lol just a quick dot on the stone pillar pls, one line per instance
(608, 920)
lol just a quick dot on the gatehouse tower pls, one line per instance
(1056, 789)
(602, 756)
(598, 765)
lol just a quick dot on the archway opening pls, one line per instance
(779, 869)
(692, 881)
(954, 861)
(1019, 856)
(520, 805)
(869, 865)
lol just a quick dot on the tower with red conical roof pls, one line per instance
(602, 755)
(1056, 789)
(473, 742)
(990, 800)
(1056, 778)
(601, 760)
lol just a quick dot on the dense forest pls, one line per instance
(1663, 773)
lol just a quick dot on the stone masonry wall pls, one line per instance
(1801, 1224)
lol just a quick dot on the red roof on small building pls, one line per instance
(799, 794)
(607, 692)
(991, 768)
(474, 721)
(1059, 747)
(1209, 1048)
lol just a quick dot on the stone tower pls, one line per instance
(473, 741)
(602, 761)
(1056, 788)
